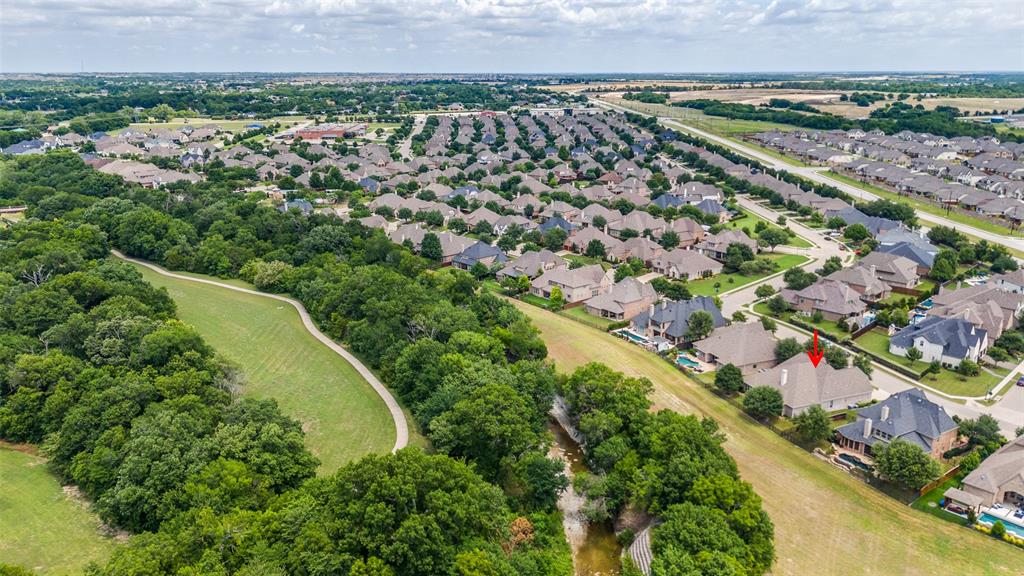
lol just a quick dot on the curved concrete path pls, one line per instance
(401, 425)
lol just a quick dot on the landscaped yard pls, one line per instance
(929, 502)
(341, 414)
(43, 527)
(749, 220)
(876, 341)
(824, 327)
(826, 521)
(706, 286)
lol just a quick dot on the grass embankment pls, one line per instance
(826, 521)
(341, 414)
(42, 527)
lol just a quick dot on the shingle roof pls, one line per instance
(956, 336)
(912, 417)
(677, 315)
(807, 385)
(739, 344)
(1002, 467)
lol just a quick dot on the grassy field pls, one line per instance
(228, 125)
(42, 527)
(579, 314)
(826, 521)
(699, 120)
(706, 286)
(342, 416)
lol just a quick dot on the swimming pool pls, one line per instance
(853, 460)
(926, 304)
(684, 361)
(634, 337)
(1012, 528)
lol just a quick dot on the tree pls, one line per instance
(595, 249)
(700, 324)
(769, 324)
(835, 223)
(863, 361)
(905, 464)
(787, 348)
(798, 278)
(599, 222)
(669, 239)
(554, 239)
(739, 316)
(998, 530)
(982, 431)
(968, 368)
(1004, 263)
(856, 233)
(833, 264)
(556, 298)
(764, 291)
(933, 368)
(763, 402)
(813, 425)
(736, 254)
(430, 247)
(773, 237)
(914, 354)
(1019, 432)
(729, 379)
(777, 305)
(944, 266)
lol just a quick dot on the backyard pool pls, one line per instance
(1012, 528)
(853, 460)
(927, 304)
(634, 337)
(684, 361)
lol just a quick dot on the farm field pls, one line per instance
(697, 119)
(341, 414)
(826, 522)
(42, 527)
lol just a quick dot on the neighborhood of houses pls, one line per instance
(578, 209)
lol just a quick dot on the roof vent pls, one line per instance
(867, 427)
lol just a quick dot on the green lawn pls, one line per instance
(341, 414)
(706, 286)
(877, 342)
(579, 313)
(827, 327)
(749, 220)
(826, 521)
(929, 502)
(586, 260)
(42, 527)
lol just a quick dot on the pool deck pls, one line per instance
(1005, 515)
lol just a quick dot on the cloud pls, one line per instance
(512, 35)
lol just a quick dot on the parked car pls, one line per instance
(1020, 381)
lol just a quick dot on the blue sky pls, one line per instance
(511, 35)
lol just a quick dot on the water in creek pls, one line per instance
(595, 550)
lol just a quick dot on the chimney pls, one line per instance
(867, 428)
(783, 377)
(873, 270)
(885, 414)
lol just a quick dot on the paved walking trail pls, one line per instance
(401, 425)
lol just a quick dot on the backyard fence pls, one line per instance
(931, 485)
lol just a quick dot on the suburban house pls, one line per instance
(999, 479)
(643, 249)
(747, 346)
(715, 245)
(978, 305)
(532, 264)
(907, 415)
(578, 242)
(803, 385)
(893, 269)
(671, 320)
(835, 300)
(948, 340)
(1010, 281)
(685, 264)
(577, 285)
(689, 231)
(863, 280)
(482, 253)
(623, 301)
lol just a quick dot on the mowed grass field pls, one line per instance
(826, 522)
(41, 527)
(343, 417)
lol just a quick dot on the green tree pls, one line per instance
(430, 247)
(769, 324)
(557, 299)
(772, 237)
(595, 249)
(729, 379)
(905, 464)
(968, 368)
(669, 239)
(944, 266)
(787, 348)
(777, 305)
(856, 233)
(555, 238)
(700, 325)
(914, 354)
(813, 425)
(763, 402)
(764, 291)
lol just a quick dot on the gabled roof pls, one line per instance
(676, 315)
(911, 417)
(739, 344)
(1004, 466)
(626, 291)
(955, 335)
(805, 385)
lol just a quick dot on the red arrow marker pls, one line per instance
(816, 355)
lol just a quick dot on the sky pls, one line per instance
(511, 36)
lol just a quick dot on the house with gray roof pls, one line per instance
(685, 264)
(948, 340)
(671, 320)
(480, 252)
(532, 264)
(923, 258)
(803, 385)
(999, 479)
(623, 301)
(747, 346)
(908, 415)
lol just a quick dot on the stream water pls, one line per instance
(595, 550)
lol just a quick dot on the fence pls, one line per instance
(931, 485)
